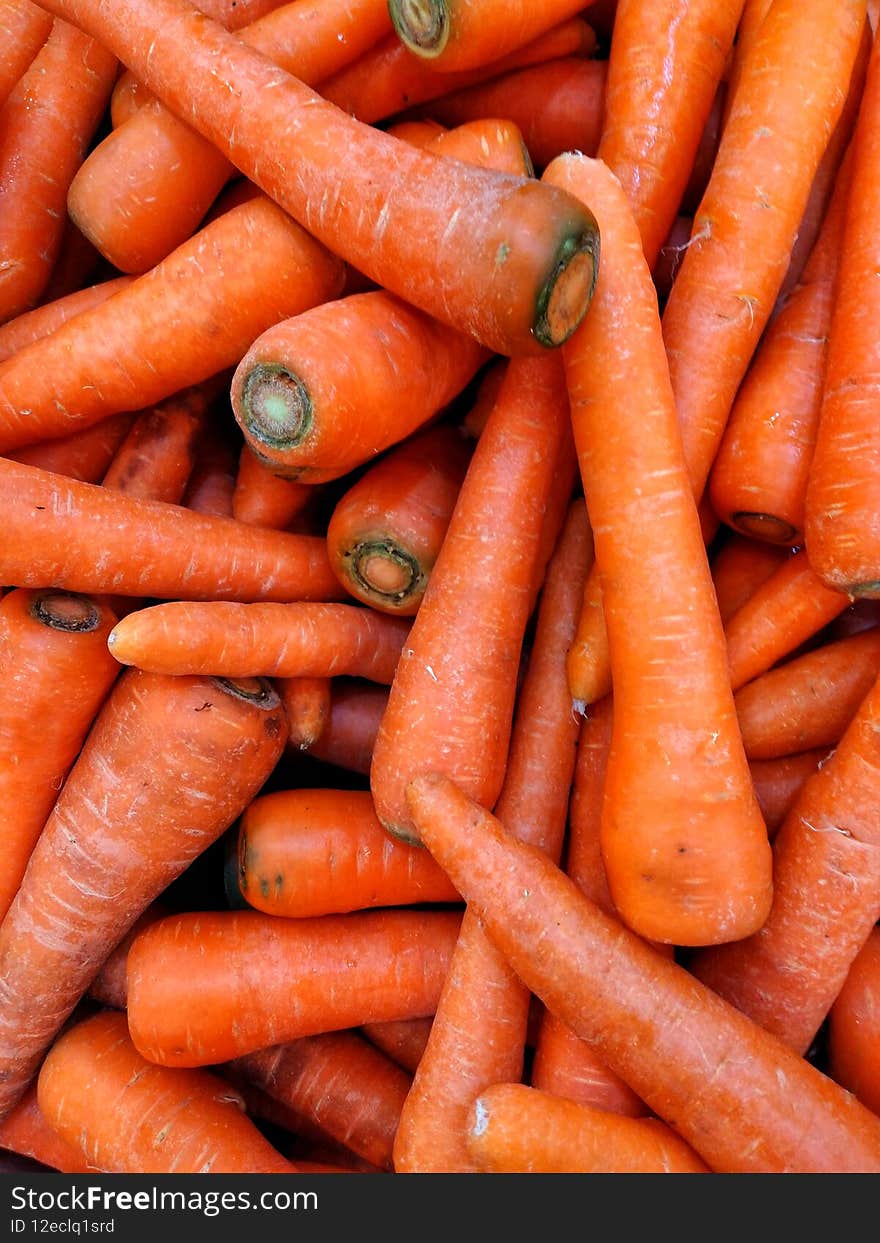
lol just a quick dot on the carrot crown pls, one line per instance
(61, 610)
(276, 407)
(422, 25)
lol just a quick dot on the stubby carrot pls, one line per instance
(684, 845)
(853, 1027)
(191, 975)
(24, 28)
(155, 460)
(348, 738)
(127, 1116)
(85, 455)
(739, 568)
(263, 498)
(307, 704)
(30, 326)
(187, 755)
(735, 1093)
(779, 782)
(323, 852)
(404, 1040)
(27, 1132)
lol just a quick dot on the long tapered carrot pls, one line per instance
(187, 755)
(155, 460)
(148, 548)
(479, 1030)
(176, 326)
(191, 975)
(735, 1093)
(323, 852)
(144, 189)
(514, 1129)
(30, 326)
(263, 498)
(452, 698)
(45, 127)
(853, 1028)
(348, 738)
(504, 259)
(57, 671)
(261, 640)
(739, 568)
(24, 28)
(27, 1132)
(403, 1040)
(684, 846)
(782, 116)
(85, 456)
(778, 783)
(127, 1116)
(808, 702)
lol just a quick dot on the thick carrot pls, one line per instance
(403, 1040)
(348, 738)
(779, 782)
(789, 98)
(143, 191)
(385, 532)
(127, 1116)
(307, 704)
(853, 1029)
(45, 126)
(57, 671)
(156, 459)
(24, 329)
(27, 1132)
(339, 1081)
(24, 28)
(323, 852)
(684, 846)
(736, 1094)
(739, 568)
(183, 322)
(226, 639)
(110, 985)
(514, 1129)
(658, 98)
(85, 455)
(262, 498)
(808, 702)
(502, 258)
(147, 548)
(191, 975)
(452, 698)
(187, 755)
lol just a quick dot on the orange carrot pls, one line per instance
(779, 782)
(108, 850)
(263, 498)
(452, 698)
(348, 738)
(735, 1093)
(191, 975)
(684, 846)
(24, 28)
(211, 486)
(488, 388)
(16, 333)
(77, 264)
(403, 1040)
(127, 1116)
(148, 548)
(323, 852)
(514, 1129)
(739, 568)
(53, 649)
(128, 97)
(155, 460)
(853, 1030)
(110, 986)
(669, 258)
(307, 704)
(753, 14)
(85, 455)
(27, 1132)
(489, 142)
(504, 259)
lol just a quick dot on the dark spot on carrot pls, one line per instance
(264, 886)
(206, 704)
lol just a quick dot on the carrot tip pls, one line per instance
(276, 406)
(385, 571)
(422, 25)
(566, 295)
(61, 610)
(765, 527)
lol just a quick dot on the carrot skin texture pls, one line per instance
(27, 1132)
(156, 459)
(85, 456)
(739, 569)
(24, 28)
(778, 783)
(348, 738)
(853, 1031)
(307, 704)
(292, 978)
(30, 326)
(262, 498)
(769, 1111)
(403, 1041)
(109, 987)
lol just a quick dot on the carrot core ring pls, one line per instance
(276, 406)
(423, 25)
(63, 611)
(765, 527)
(567, 292)
(385, 570)
(254, 690)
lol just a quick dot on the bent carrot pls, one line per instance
(403, 1040)
(27, 1132)
(280, 978)
(739, 568)
(262, 498)
(24, 28)
(348, 738)
(323, 852)
(307, 704)
(779, 782)
(108, 850)
(30, 326)
(736, 1094)
(853, 1030)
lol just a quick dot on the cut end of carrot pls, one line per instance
(385, 572)
(565, 297)
(422, 25)
(276, 406)
(255, 690)
(63, 611)
(765, 527)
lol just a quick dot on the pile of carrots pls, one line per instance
(440, 563)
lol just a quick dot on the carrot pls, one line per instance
(789, 607)
(323, 852)
(808, 702)
(278, 979)
(658, 98)
(739, 568)
(385, 532)
(261, 640)
(85, 455)
(155, 460)
(853, 1031)
(670, 254)
(489, 142)
(502, 258)
(143, 191)
(30, 326)
(403, 1040)
(108, 850)
(127, 1116)
(110, 987)
(148, 548)
(684, 847)
(211, 485)
(488, 388)
(53, 648)
(514, 1129)
(307, 704)
(753, 14)
(789, 98)
(45, 126)
(27, 1132)
(77, 264)
(452, 698)
(417, 132)
(262, 498)
(128, 97)
(348, 738)
(736, 1094)
(24, 28)
(778, 783)
(478, 1034)
(181, 323)
(339, 1081)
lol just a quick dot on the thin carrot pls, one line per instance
(744, 1101)
(227, 639)
(45, 126)
(24, 329)
(488, 388)
(24, 28)
(127, 1116)
(418, 132)
(185, 321)
(403, 1040)
(211, 486)
(452, 698)
(323, 852)
(739, 568)
(148, 548)
(490, 142)
(307, 704)
(348, 738)
(503, 258)
(108, 850)
(684, 846)
(779, 782)
(279, 979)
(77, 264)
(57, 671)
(753, 14)
(155, 460)
(670, 255)
(110, 985)
(85, 455)
(262, 498)
(27, 1132)
(853, 1030)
